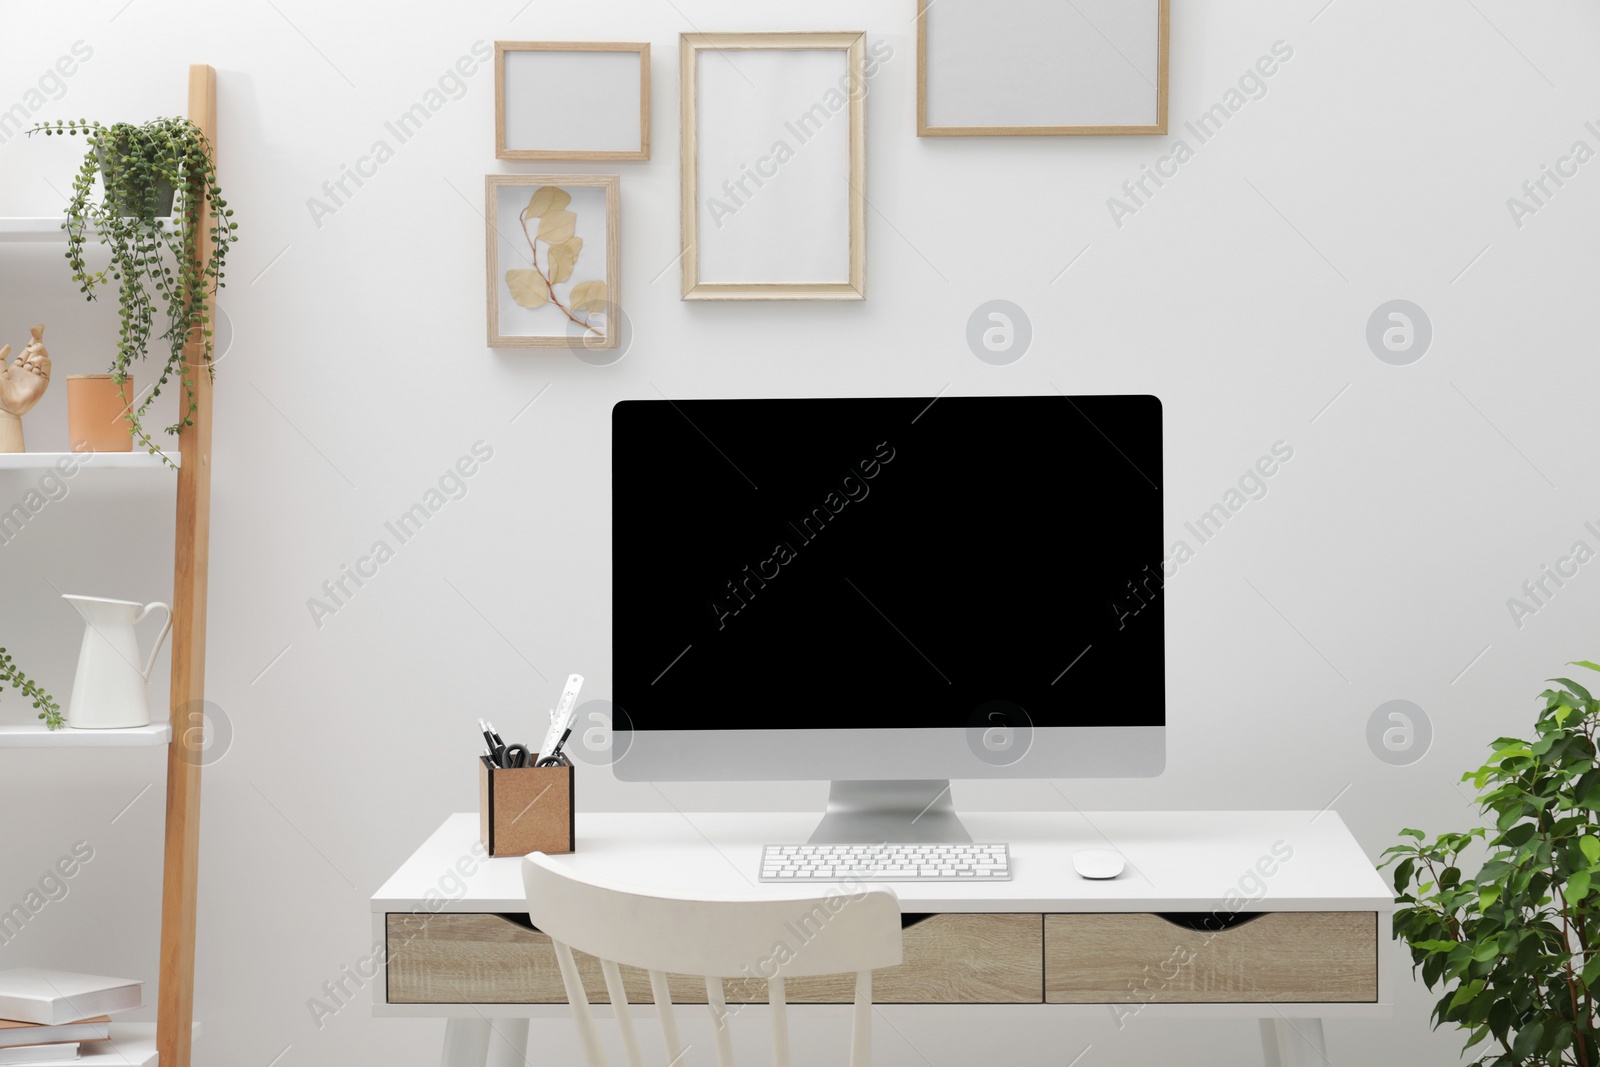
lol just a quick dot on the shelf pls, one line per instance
(32, 230)
(36, 735)
(131, 1045)
(32, 461)
(39, 231)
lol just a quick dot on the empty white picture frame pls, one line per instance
(1009, 68)
(773, 161)
(554, 255)
(586, 100)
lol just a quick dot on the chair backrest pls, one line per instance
(840, 932)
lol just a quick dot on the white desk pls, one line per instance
(1212, 863)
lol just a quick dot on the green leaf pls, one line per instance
(1577, 887)
(1586, 663)
(1402, 874)
(1487, 895)
(1591, 971)
(1527, 1042)
(1574, 686)
(1465, 994)
(1590, 846)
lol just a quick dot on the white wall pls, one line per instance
(1377, 166)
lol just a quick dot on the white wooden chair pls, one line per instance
(712, 939)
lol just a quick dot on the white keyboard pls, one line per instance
(885, 863)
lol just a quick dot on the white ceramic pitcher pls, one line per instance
(108, 692)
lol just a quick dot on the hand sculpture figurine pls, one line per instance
(21, 385)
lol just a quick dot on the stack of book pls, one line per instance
(48, 1016)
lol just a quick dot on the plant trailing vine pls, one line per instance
(1517, 948)
(155, 261)
(11, 674)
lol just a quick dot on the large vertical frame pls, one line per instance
(853, 45)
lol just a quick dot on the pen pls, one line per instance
(555, 753)
(554, 759)
(488, 737)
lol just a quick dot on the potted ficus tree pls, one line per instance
(11, 674)
(157, 178)
(1516, 948)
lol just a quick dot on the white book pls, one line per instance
(40, 1053)
(15, 1033)
(32, 995)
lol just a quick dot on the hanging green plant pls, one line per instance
(158, 178)
(11, 674)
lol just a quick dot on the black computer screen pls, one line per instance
(887, 562)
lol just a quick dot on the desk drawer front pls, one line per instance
(949, 959)
(1283, 957)
(487, 959)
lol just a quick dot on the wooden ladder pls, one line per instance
(191, 555)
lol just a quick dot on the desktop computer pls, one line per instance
(888, 593)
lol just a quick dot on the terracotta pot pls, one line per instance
(95, 408)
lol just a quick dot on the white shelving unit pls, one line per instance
(36, 735)
(30, 461)
(171, 1036)
(32, 230)
(38, 230)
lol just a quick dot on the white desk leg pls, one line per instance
(508, 1043)
(466, 1043)
(1293, 1042)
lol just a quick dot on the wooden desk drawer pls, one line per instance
(490, 959)
(1283, 957)
(949, 959)
(483, 959)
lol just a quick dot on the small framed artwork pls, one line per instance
(773, 161)
(1015, 68)
(587, 100)
(554, 257)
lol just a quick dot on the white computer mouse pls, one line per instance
(1097, 863)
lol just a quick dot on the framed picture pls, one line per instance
(773, 166)
(1010, 68)
(554, 255)
(585, 100)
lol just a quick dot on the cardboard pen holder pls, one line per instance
(525, 809)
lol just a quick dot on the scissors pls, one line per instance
(514, 756)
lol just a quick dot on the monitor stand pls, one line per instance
(893, 813)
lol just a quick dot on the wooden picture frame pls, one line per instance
(517, 122)
(569, 315)
(797, 74)
(1083, 60)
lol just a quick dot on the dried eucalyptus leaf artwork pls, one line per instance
(555, 228)
(528, 287)
(589, 296)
